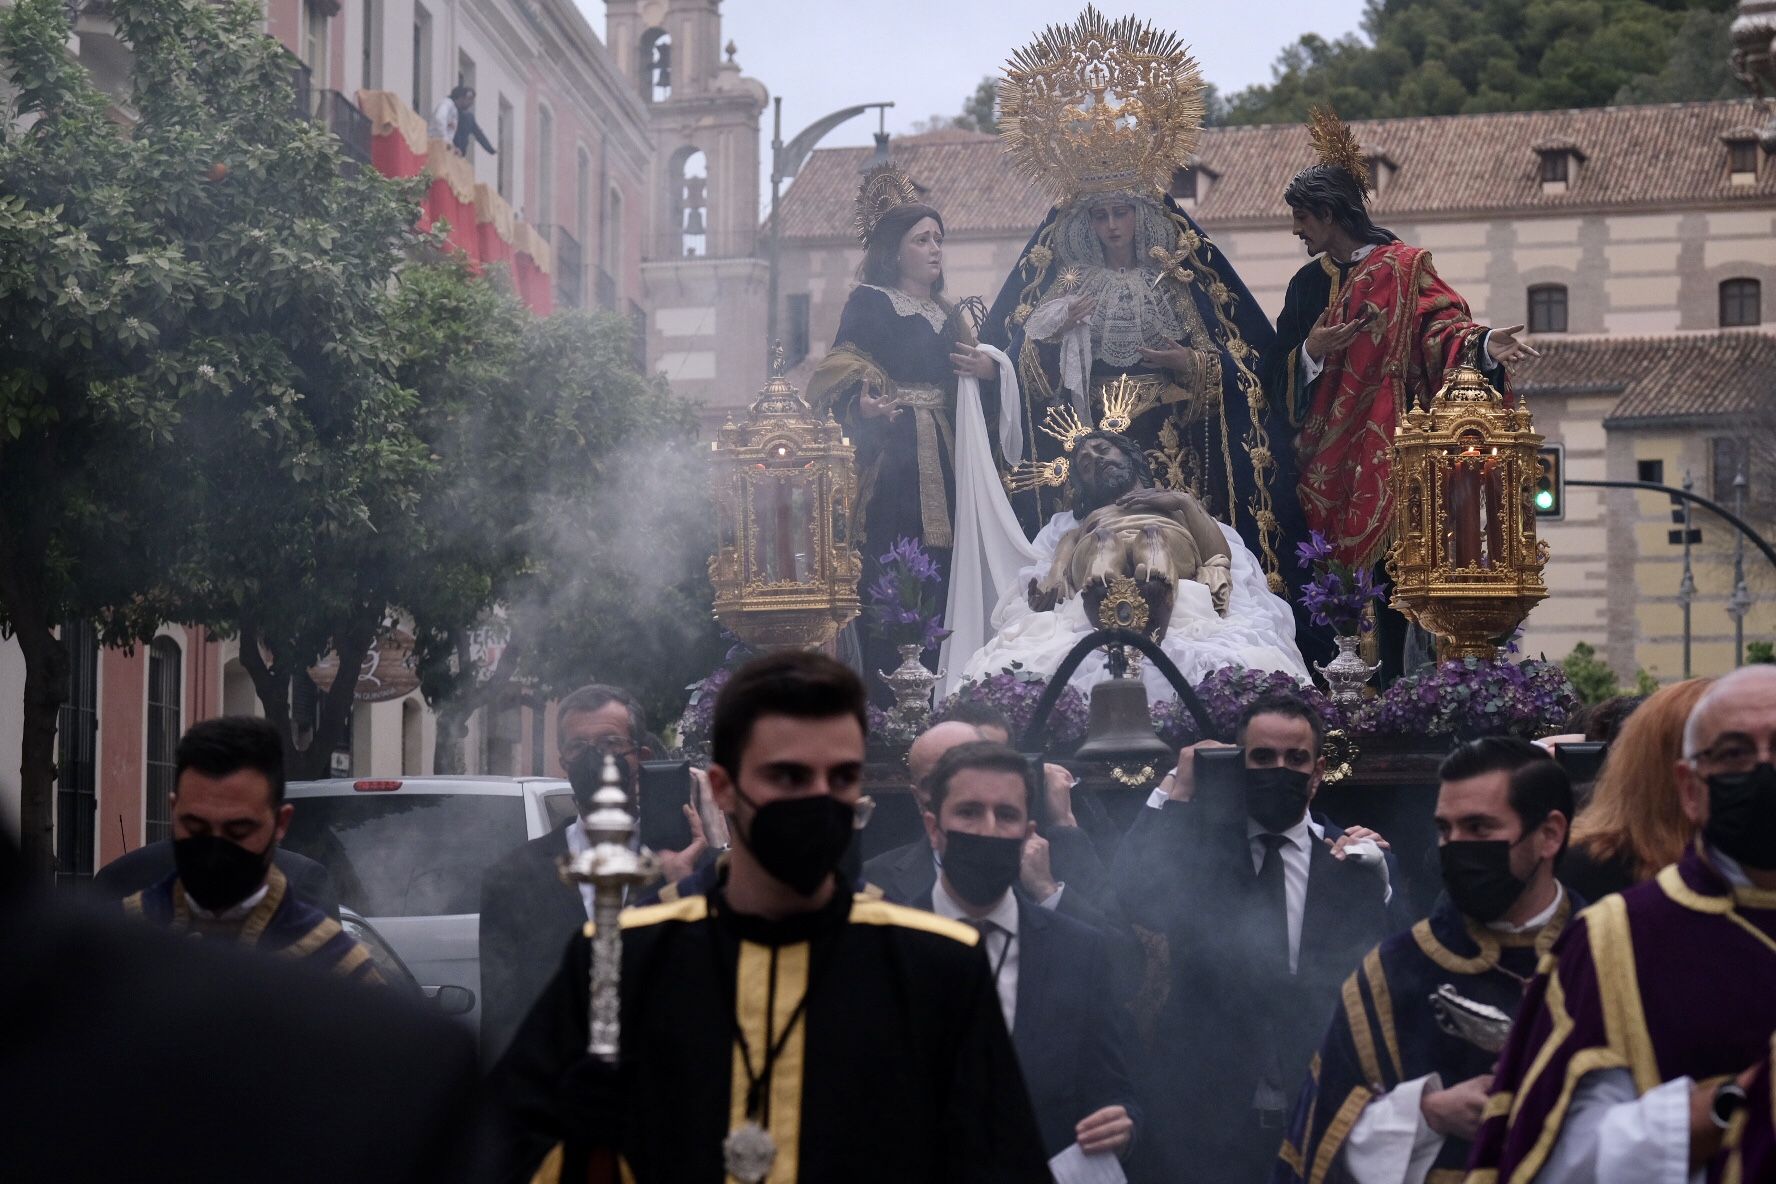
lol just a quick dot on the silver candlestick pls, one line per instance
(612, 866)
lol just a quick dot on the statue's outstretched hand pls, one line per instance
(1151, 501)
(1042, 599)
(1329, 337)
(1503, 347)
(1180, 360)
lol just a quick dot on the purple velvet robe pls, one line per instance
(1675, 977)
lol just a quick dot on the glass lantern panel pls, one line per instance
(782, 506)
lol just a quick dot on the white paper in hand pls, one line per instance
(1074, 1166)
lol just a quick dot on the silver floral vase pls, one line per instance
(1347, 674)
(911, 684)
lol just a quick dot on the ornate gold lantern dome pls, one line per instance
(785, 482)
(1466, 563)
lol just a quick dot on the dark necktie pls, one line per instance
(1273, 897)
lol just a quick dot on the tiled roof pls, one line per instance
(1452, 164)
(1699, 375)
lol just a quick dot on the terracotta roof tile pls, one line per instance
(1454, 164)
(1698, 375)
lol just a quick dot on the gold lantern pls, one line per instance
(785, 572)
(1465, 563)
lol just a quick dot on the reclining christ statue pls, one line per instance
(1015, 603)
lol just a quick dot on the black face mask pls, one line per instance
(1477, 874)
(585, 773)
(800, 841)
(1742, 816)
(1276, 797)
(217, 873)
(981, 868)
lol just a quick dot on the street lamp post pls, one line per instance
(1686, 588)
(1741, 600)
(786, 159)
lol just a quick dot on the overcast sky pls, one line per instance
(928, 55)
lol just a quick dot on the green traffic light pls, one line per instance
(1544, 499)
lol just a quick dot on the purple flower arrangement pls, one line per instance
(1014, 692)
(1337, 594)
(1225, 693)
(699, 713)
(902, 603)
(1468, 698)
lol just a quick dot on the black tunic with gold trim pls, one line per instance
(1385, 1032)
(900, 1068)
(281, 924)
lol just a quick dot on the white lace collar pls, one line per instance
(907, 306)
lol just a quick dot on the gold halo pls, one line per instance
(883, 188)
(1100, 106)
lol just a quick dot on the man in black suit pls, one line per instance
(1258, 910)
(151, 863)
(528, 914)
(1050, 971)
(1060, 865)
(199, 1063)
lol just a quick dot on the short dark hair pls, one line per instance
(987, 755)
(462, 90)
(1285, 703)
(1539, 786)
(797, 683)
(230, 743)
(598, 695)
(975, 712)
(1331, 192)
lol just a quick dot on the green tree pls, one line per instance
(189, 376)
(980, 110)
(1595, 682)
(565, 515)
(1445, 57)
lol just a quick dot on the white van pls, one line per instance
(409, 854)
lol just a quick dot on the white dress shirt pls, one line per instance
(1001, 943)
(1391, 1142)
(578, 844)
(1613, 1136)
(443, 124)
(1296, 855)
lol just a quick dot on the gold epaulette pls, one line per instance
(880, 912)
(685, 908)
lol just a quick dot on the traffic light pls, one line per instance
(1550, 486)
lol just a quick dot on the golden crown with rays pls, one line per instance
(1335, 144)
(883, 188)
(1064, 424)
(1100, 106)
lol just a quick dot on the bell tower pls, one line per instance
(702, 269)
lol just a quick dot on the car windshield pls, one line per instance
(407, 854)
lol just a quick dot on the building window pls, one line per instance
(422, 61)
(370, 65)
(503, 145)
(797, 339)
(656, 66)
(1741, 303)
(1547, 308)
(582, 194)
(544, 211)
(77, 756)
(314, 43)
(1556, 167)
(1728, 455)
(165, 687)
(1650, 471)
(1742, 159)
(1184, 184)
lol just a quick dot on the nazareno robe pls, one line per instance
(900, 1068)
(1749, 1154)
(1672, 978)
(1384, 1032)
(281, 924)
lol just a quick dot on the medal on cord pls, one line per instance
(748, 1151)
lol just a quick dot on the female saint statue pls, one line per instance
(891, 378)
(1119, 286)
